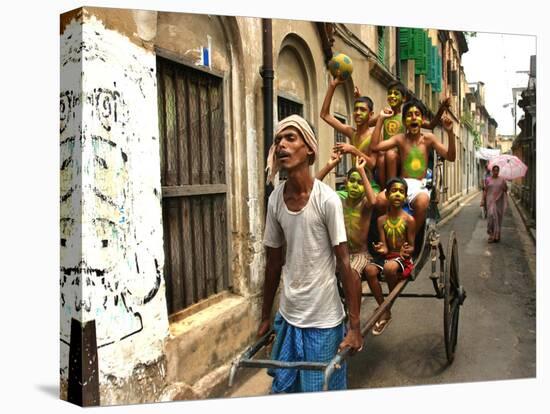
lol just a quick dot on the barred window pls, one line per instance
(345, 164)
(194, 186)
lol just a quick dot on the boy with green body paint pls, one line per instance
(414, 147)
(387, 162)
(357, 201)
(360, 136)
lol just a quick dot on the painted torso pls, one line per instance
(352, 220)
(414, 160)
(362, 142)
(393, 126)
(395, 231)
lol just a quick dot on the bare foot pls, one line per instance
(382, 324)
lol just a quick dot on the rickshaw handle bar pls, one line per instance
(328, 368)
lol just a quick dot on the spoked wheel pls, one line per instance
(454, 296)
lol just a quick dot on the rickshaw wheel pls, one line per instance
(453, 297)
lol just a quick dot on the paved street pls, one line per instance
(497, 321)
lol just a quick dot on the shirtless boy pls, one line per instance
(414, 147)
(388, 161)
(360, 137)
(357, 202)
(396, 229)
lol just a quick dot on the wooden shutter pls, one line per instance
(454, 82)
(438, 72)
(405, 43)
(431, 65)
(420, 52)
(194, 189)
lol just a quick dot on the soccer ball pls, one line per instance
(340, 66)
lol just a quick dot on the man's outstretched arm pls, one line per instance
(274, 264)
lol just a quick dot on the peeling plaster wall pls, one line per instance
(291, 77)
(251, 34)
(70, 183)
(184, 35)
(195, 347)
(112, 249)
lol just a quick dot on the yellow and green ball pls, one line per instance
(340, 66)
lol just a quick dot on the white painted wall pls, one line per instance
(112, 261)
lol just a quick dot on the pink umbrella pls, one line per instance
(511, 167)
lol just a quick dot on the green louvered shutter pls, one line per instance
(410, 48)
(406, 50)
(430, 78)
(436, 64)
(420, 51)
(416, 34)
(428, 51)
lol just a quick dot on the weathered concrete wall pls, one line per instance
(70, 206)
(292, 78)
(247, 95)
(300, 71)
(184, 35)
(209, 339)
(391, 49)
(112, 257)
(195, 347)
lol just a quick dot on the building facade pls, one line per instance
(504, 143)
(163, 135)
(525, 146)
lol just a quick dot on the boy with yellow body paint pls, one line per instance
(360, 137)
(357, 201)
(414, 147)
(387, 162)
(397, 232)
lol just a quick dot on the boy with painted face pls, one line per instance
(357, 202)
(388, 161)
(414, 147)
(397, 231)
(360, 137)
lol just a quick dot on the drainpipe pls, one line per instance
(267, 74)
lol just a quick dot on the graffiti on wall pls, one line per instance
(111, 245)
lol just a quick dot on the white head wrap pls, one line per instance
(301, 125)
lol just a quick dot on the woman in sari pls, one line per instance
(495, 201)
